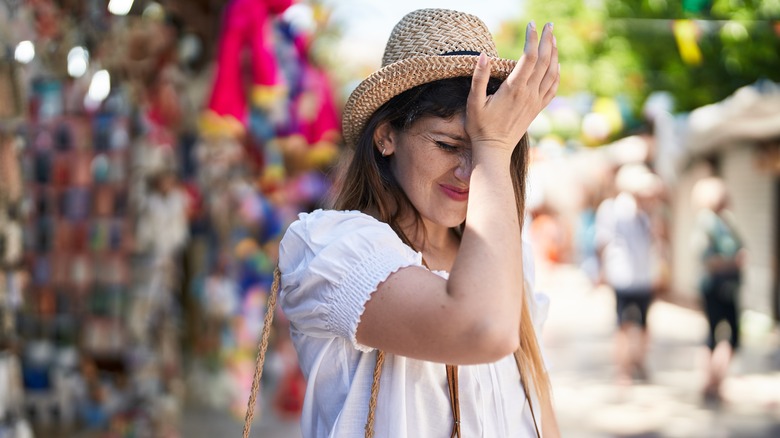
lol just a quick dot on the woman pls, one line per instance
(402, 278)
(722, 257)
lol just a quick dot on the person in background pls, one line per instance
(722, 256)
(624, 241)
(408, 303)
(585, 235)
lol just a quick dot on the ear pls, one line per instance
(383, 139)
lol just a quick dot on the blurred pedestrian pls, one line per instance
(550, 238)
(585, 235)
(722, 257)
(402, 278)
(624, 239)
(163, 229)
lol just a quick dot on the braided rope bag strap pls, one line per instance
(452, 384)
(380, 360)
(262, 347)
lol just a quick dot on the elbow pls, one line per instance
(494, 340)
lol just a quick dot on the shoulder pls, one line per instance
(331, 262)
(325, 217)
(604, 216)
(336, 233)
(605, 207)
(706, 220)
(324, 226)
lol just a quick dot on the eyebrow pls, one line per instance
(456, 137)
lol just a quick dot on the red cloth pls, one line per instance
(288, 400)
(245, 24)
(322, 121)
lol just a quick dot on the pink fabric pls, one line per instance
(245, 24)
(324, 122)
(325, 125)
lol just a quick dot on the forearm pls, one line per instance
(487, 275)
(488, 269)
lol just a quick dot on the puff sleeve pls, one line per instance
(331, 263)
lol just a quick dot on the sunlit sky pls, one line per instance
(367, 23)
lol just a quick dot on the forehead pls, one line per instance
(453, 127)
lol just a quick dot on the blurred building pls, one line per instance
(738, 140)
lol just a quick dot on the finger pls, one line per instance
(525, 65)
(545, 54)
(479, 82)
(548, 97)
(552, 71)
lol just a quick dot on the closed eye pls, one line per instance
(446, 146)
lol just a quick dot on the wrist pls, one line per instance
(491, 156)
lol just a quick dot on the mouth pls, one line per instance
(455, 193)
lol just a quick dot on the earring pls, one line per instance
(384, 151)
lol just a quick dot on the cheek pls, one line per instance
(418, 172)
(424, 171)
(407, 176)
(410, 177)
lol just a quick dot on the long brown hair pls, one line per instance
(369, 184)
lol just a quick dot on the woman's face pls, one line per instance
(432, 163)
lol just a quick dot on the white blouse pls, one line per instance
(331, 263)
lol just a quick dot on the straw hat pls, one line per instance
(425, 46)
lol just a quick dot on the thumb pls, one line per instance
(479, 81)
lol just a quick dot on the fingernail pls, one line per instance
(482, 59)
(532, 25)
(551, 25)
(555, 42)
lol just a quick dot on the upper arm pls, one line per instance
(331, 263)
(352, 277)
(411, 314)
(700, 240)
(604, 224)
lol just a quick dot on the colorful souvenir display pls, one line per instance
(123, 231)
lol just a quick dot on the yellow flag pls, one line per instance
(686, 33)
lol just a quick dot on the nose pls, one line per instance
(463, 171)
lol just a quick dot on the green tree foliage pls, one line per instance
(631, 48)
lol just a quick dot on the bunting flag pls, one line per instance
(686, 33)
(696, 6)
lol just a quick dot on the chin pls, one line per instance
(453, 220)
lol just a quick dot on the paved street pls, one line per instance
(578, 342)
(578, 345)
(208, 423)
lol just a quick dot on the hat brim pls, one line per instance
(394, 79)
